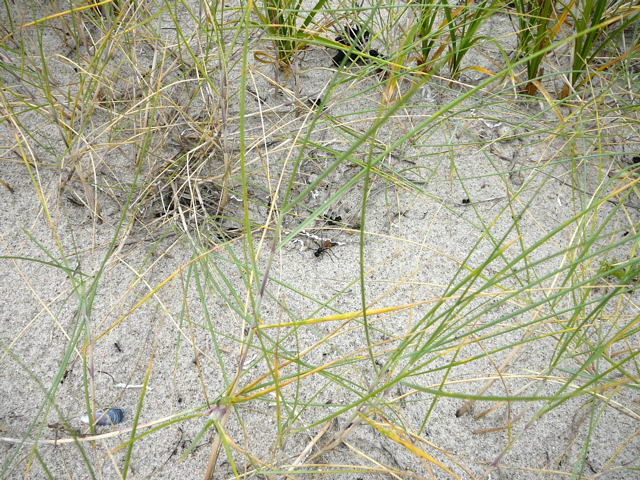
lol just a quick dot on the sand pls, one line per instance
(142, 305)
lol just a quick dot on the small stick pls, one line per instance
(307, 449)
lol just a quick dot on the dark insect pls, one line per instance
(353, 38)
(636, 159)
(115, 344)
(338, 57)
(109, 417)
(376, 54)
(323, 248)
(314, 102)
(333, 220)
(466, 201)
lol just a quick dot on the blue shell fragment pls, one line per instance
(109, 417)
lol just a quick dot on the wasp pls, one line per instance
(326, 245)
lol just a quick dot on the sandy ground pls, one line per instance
(187, 350)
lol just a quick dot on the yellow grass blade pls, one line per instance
(391, 432)
(54, 16)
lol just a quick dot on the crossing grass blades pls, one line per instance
(518, 308)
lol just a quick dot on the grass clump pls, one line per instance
(281, 18)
